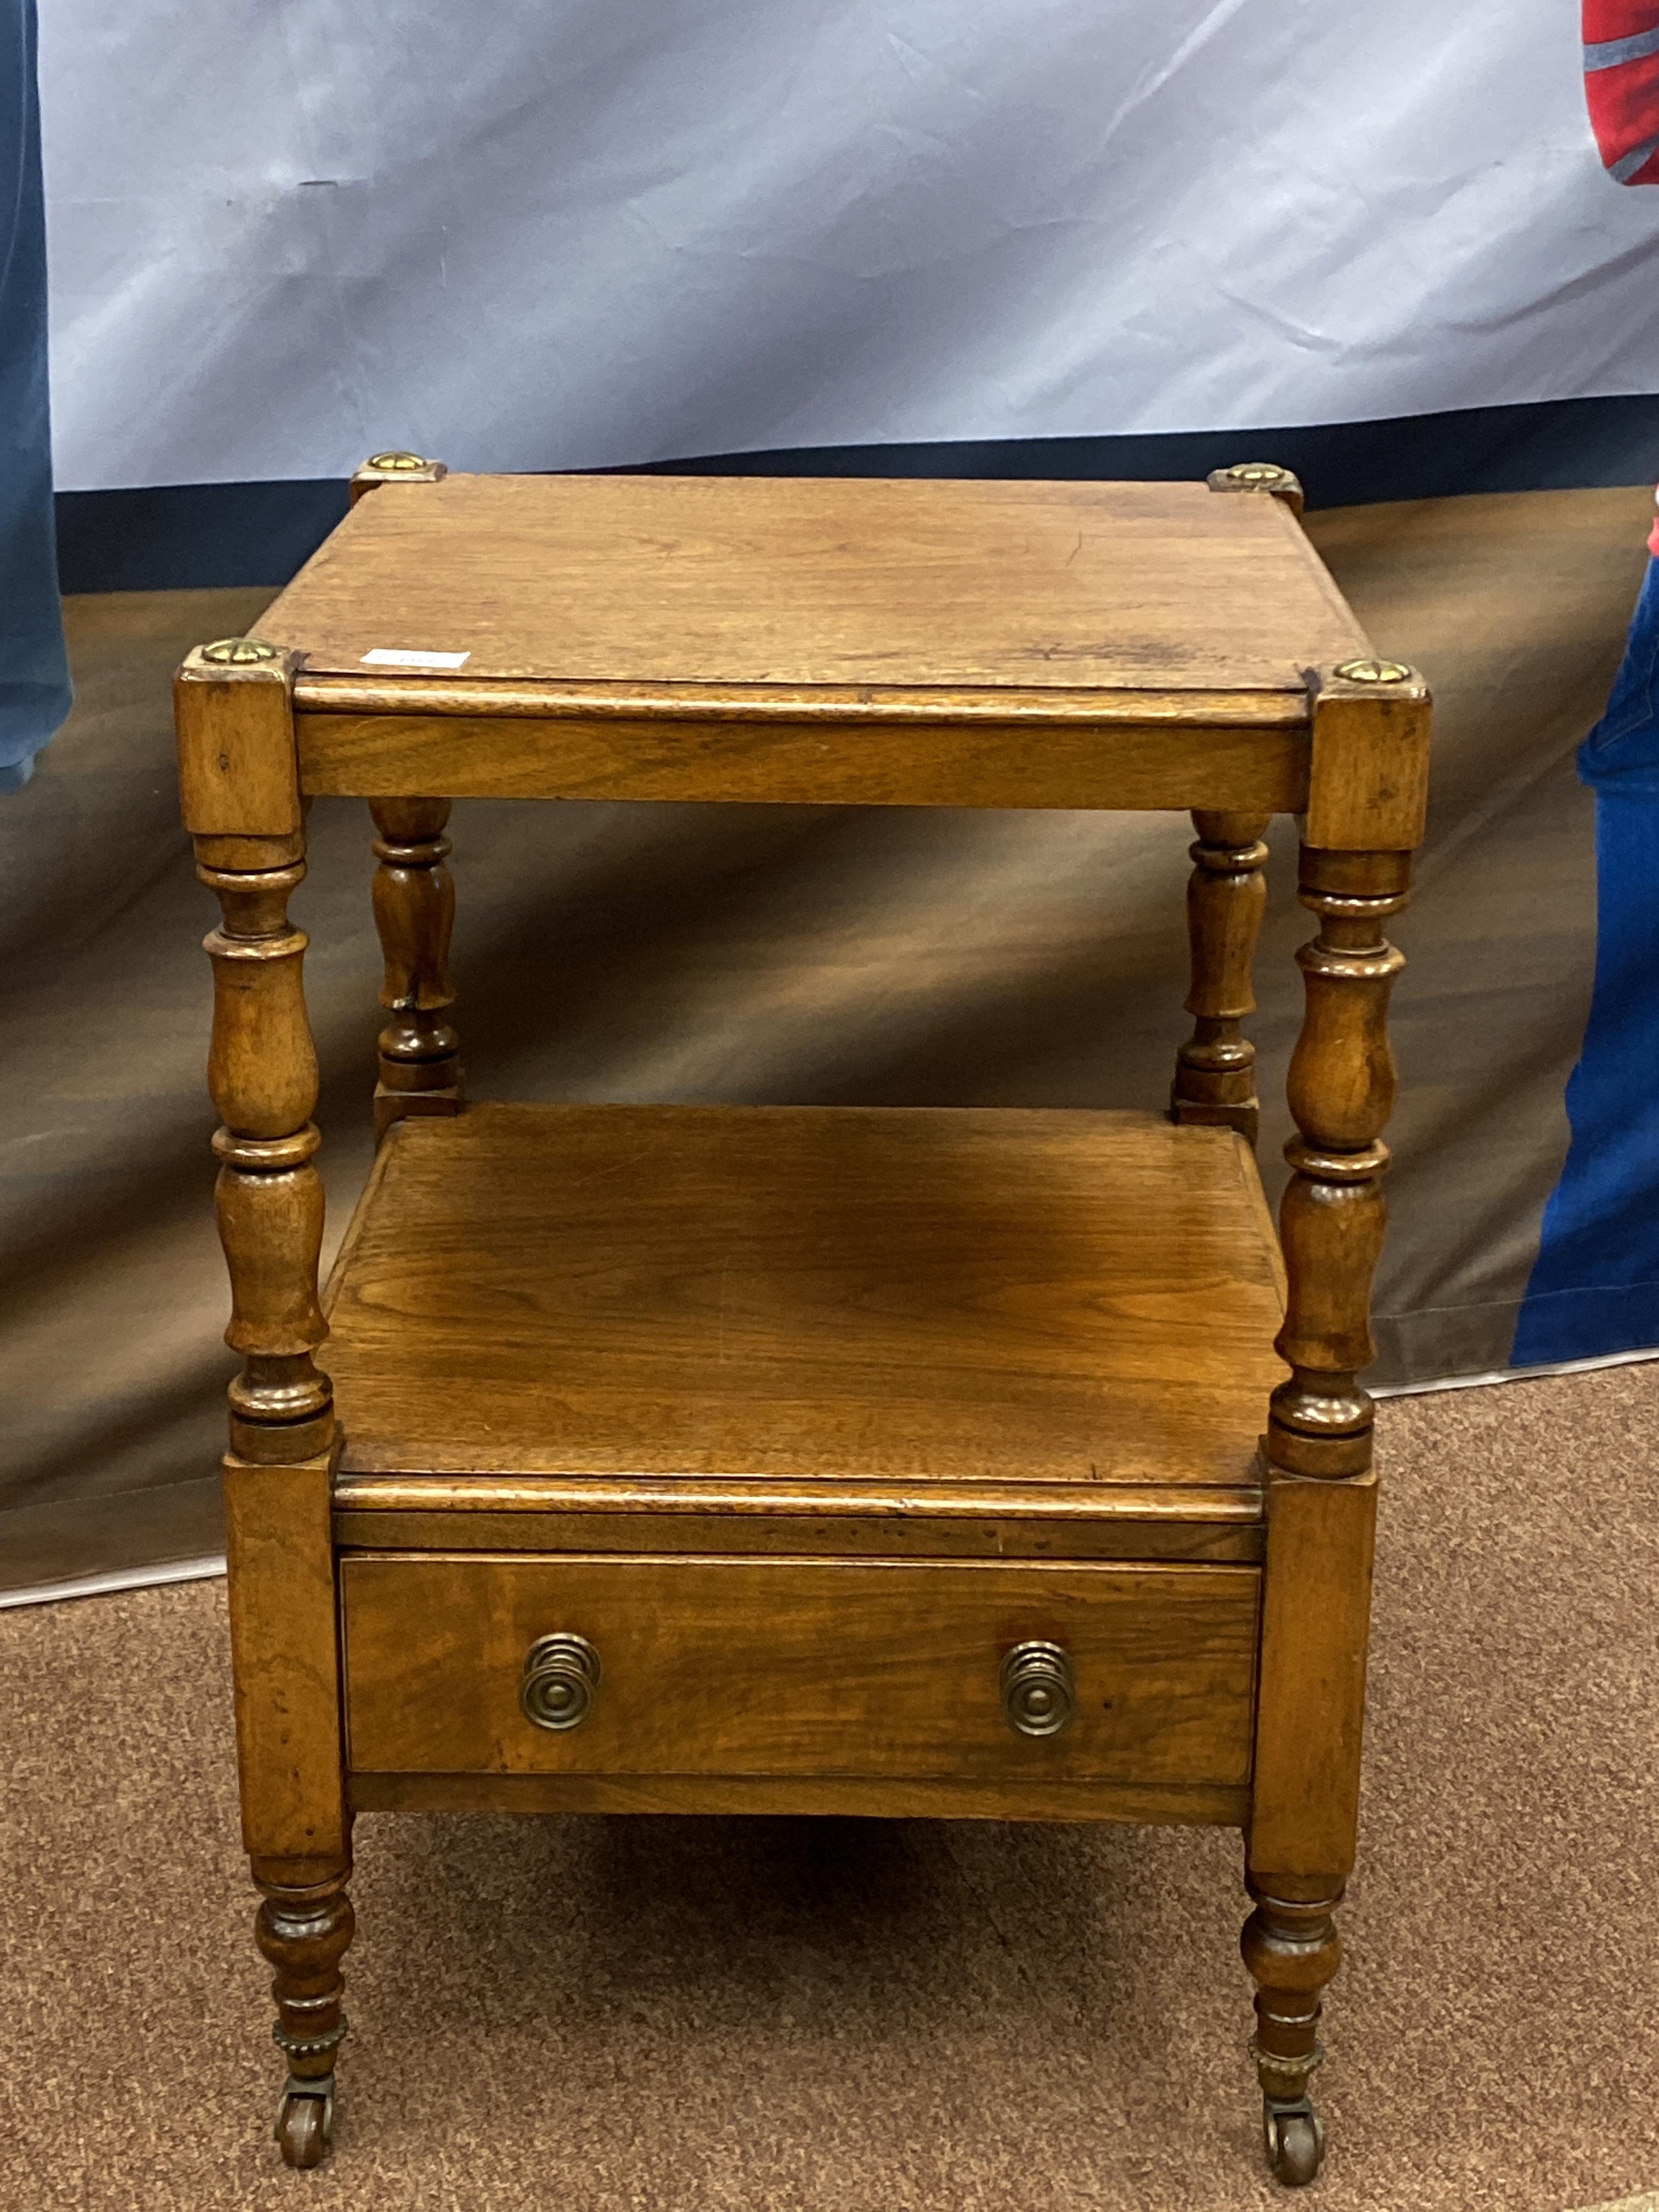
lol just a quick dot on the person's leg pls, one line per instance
(1623, 746)
(1594, 1286)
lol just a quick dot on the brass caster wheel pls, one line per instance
(1294, 2135)
(304, 2122)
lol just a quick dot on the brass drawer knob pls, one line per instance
(1039, 1688)
(561, 1680)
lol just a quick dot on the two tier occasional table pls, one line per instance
(943, 1462)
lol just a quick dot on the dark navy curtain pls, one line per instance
(1596, 1286)
(34, 687)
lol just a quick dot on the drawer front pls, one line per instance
(799, 1668)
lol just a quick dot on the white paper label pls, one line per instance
(399, 656)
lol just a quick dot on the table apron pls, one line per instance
(1142, 766)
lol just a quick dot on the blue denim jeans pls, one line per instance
(1594, 1288)
(1621, 753)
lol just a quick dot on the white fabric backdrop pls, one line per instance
(555, 234)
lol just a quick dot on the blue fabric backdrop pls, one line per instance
(34, 685)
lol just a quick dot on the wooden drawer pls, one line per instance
(799, 1668)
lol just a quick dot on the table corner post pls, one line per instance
(1364, 818)
(239, 783)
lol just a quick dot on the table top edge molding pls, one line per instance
(547, 699)
(359, 1491)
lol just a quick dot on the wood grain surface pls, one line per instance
(885, 1295)
(1315, 1622)
(730, 1666)
(233, 730)
(753, 580)
(285, 1637)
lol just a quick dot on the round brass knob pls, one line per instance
(238, 651)
(1039, 1688)
(398, 464)
(561, 1680)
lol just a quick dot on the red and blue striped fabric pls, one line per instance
(1621, 83)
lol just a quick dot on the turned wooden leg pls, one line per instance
(1292, 1949)
(303, 1928)
(1321, 1490)
(1215, 1069)
(262, 1076)
(415, 912)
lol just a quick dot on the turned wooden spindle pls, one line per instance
(1226, 894)
(415, 912)
(303, 1928)
(262, 1074)
(1341, 1091)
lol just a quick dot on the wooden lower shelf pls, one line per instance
(955, 1313)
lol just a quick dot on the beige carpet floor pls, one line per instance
(805, 2017)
